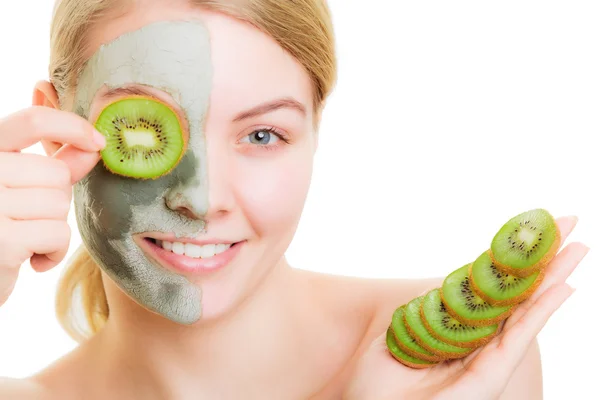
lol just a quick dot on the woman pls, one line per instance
(183, 278)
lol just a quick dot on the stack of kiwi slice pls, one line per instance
(452, 321)
(144, 137)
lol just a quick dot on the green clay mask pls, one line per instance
(173, 57)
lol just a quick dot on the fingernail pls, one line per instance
(99, 139)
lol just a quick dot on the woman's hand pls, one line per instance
(36, 191)
(485, 373)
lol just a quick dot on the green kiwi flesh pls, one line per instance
(444, 327)
(406, 342)
(465, 305)
(144, 137)
(526, 243)
(497, 287)
(401, 356)
(416, 328)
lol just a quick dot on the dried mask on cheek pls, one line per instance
(173, 57)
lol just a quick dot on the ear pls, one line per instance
(45, 95)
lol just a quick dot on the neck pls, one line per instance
(252, 343)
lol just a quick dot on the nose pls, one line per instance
(205, 196)
(189, 198)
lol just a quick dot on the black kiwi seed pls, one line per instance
(469, 296)
(123, 120)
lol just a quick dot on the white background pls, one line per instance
(448, 118)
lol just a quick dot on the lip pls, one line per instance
(188, 265)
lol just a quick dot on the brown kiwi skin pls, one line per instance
(508, 302)
(444, 354)
(409, 364)
(410, 352)
(477, 322)
(465, 345)
(540, 265)
(185, 137)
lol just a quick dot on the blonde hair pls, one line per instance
(302, 27)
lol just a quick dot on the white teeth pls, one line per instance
(208, 250)
(178, 248)
(221, 248)
(193, 250)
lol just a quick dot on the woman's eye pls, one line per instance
(262, 137)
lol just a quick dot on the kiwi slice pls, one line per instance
(526, 243)
(416, 328)
(464, 305)
(401, 356)
(144, 137)
(443, 327)
(499, 288)
(406, 342)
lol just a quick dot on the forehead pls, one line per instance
(173, 57)
(244, 65)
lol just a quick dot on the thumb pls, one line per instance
(80, 162)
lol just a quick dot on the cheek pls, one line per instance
(103, 204)
(272, 191)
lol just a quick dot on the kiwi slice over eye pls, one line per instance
(401, 356)
(416, 328)
(499, 288)
(144, 137)
(526, 243)
(463, 304)
(406, 342)
(444, 327)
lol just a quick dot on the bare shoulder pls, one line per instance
(23, 389)
(371, 302)
(389, 294)
(338, 296)
(375, 300)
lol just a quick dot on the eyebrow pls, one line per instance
(264, 108)
(127, 91)
(286, 102)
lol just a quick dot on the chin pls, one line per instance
(224, 294)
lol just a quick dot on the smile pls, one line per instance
(191, 258)
(193, 250)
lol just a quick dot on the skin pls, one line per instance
(268, 330)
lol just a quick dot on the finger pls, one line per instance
(504, 354)
(31, 125)
(79, 163)
(561, 267)
(21, 170)
(517, 314)
(515, 341)
(34, 203)
(558, 271)
(565, 227)
(467, 360)
(43, 263)
(45, 237)
(51, 147)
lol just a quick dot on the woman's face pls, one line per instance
(247, 108)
